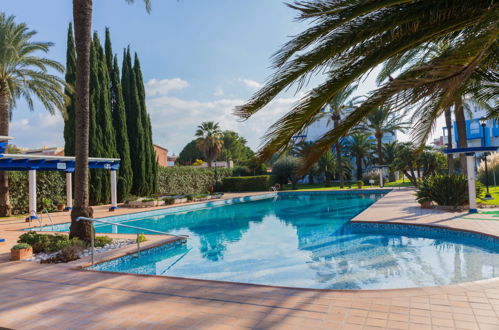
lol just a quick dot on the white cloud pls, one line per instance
(37, 130)
(155, 87)
(249, 83)
(174, 120)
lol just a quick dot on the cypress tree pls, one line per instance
(125, 174)
(69, 124)
(149, 153)
(134, 125)
(95, 184)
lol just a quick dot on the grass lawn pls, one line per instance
(352, 185)
(494, 192)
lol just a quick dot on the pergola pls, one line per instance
(470, 164)
(33, 163)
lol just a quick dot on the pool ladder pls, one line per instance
(139, 229)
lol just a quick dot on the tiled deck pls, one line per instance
(57, 296)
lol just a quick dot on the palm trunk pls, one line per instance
(450, 157)
(328, 179)
(5, 207)
(359, 168)
(379, 147)
(339, 160)
(82, 16)
(461, 132)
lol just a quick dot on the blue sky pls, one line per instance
(200, 58)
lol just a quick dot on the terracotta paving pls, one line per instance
(60, 296)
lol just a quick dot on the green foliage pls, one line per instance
(146, 200)
(142, 238)
(183, 180)
(418, 164)
(446, 190)
(285, 169)
(169, 200)
(190, 154)
(246, 183)
(21, 246)
(209, 140)
(50, 185)
(360, 183)
(46, 242)
(235, 148)
(69, 123)
(101, 241)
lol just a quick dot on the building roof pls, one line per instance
(160, 147)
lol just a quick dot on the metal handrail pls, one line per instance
(122, 225)
(50, 218)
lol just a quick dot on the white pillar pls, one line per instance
(471, 182)
(114, 193)
(381, 177)
(69, 191)
(32, 194)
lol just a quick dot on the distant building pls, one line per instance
(46, 151)
(172, 159)
(474, 130)
(439, 142)
(224, 164)
(161, 155)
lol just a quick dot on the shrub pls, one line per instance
(101, 241)
(360, 183)
(67, 254)
(446, 190)
(21, 246)
(184, 180)
(169, 200)
(46, 242)
(285, 169)
(142, 238)
(145, 200)
(246, 183)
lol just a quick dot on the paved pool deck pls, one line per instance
(34, 296)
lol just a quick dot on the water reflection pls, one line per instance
(305, 240)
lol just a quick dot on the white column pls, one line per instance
(69, 191)
(471, 182)
(381, 177)
(114, 193)
(32, 194)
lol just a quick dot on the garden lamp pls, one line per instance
(483, 122)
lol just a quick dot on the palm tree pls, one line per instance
(82, 17)
(389, 154)
(24, 74)
(350, 38)
(340, 104)
(327, 165)
(382, 121)
(360, 146)
(210, 140)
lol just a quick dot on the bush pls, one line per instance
(169, 200)
(184, 180)
(285, 169)
(446, 190)
(67, 254)
(21, 246)
(246, 183)
(46, 242)
(51, 186)
(360, 183)
(101, 241)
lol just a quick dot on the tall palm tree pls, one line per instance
(382, 121)
(340, 104)
(327, 165)
(360, 146)
(24, 74)
(82, 17)
(389, 154)
(210, 140)
(347, 39)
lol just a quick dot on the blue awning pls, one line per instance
(25, 162)
(470, 150)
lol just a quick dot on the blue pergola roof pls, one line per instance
(470, 150)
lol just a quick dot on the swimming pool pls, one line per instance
(306, 240)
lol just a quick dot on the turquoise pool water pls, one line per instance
(306, 240)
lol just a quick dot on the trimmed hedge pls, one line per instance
(185, 180)
(246, 183)
(50, 188)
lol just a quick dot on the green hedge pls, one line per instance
(181, 180)
(50, 188)
(246, 183)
